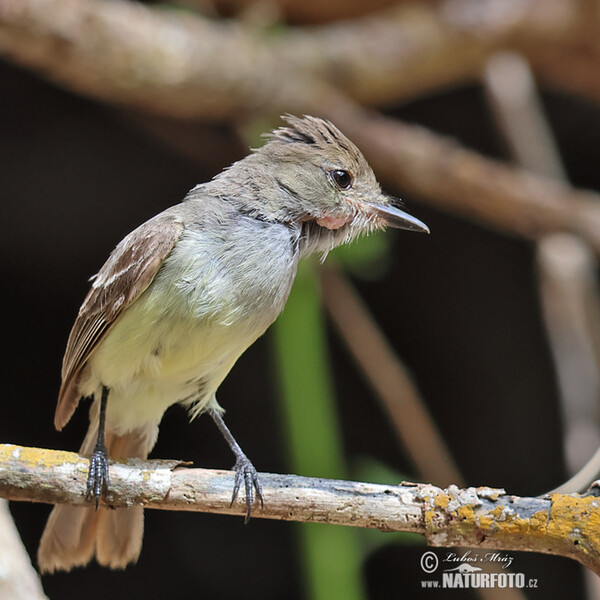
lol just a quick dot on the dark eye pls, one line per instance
(342, 179)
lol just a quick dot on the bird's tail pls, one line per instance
(74, 534)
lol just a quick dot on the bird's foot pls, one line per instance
(246, 473)
(97, 481)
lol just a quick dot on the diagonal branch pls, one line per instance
(473, 517)
(389, 378)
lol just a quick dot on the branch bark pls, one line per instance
(474, 517)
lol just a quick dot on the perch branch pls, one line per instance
(473, 517)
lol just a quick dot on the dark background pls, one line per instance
(460, 306)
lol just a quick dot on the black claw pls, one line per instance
(97, 481)
(245, 472)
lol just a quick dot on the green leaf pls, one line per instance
(366, 257)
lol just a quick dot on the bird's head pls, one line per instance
(309, 173)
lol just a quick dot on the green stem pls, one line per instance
(331, 555)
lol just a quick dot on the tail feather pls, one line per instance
(74, 534)
(119, 533)
(119, 536)
(68, 539)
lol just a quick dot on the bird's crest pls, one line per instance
(311, 131)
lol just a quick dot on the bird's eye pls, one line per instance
(342, 179)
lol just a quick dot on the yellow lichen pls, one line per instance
(36, 457)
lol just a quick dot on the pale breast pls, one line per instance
(218, 291)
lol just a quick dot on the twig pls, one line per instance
(513, 97)
(417, 48)
(473, 517)
(568, 289)
(397, 393)
(390, 379)
(565, 265)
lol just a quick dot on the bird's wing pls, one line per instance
(128, 271)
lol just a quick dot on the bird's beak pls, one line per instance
(394, 217)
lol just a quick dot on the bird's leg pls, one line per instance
(97, 481)
(244, 469)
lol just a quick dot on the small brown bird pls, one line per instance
(181, 298)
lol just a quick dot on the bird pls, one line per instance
(183, 296)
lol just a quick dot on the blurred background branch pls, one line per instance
(566, 269)
(402, 52)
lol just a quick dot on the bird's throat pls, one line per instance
(333, 222)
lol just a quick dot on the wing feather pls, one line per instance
(129, 270)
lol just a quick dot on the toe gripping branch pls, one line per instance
(245, 471)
